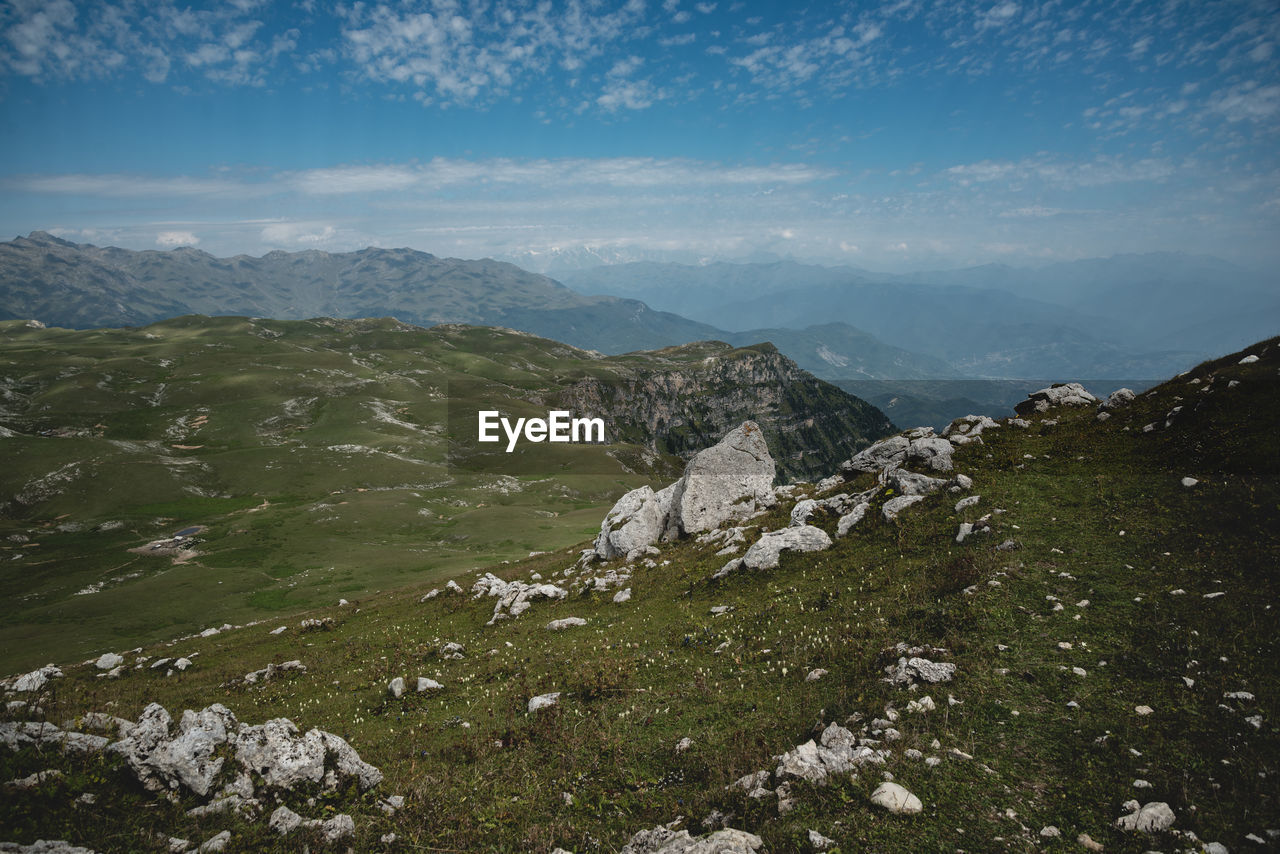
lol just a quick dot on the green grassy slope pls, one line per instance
(312, 456)
(1103, 527)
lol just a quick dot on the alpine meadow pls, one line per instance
(639, 426)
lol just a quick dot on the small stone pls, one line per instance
(1154, 817)
(1050, 832)
(108, 661)
(1087, 842)
(684, 744)
(820, 842)
(1189, 482)
(425, 684)
(622, 596)
(216, 843)
(565, 623)
(544, 701)
(896, 799)
(1248, 360)
(396, 687)
(1143, 710)
(815, 674)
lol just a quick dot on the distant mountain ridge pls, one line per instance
(82, 286)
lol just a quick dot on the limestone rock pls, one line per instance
(284, 820)
(425, 684)
(638, 519)
(667, 840)
(764, 553)
(1150, 818)
(161, 760)
(1118, 398)
(820, 842)
(565, 623)
(932, 452)
(514, 598)
(836, 751)
(967, 502)
(108, 660)
(215, 843)
(894, 506)
(36, 679)
(622, 596)
(544, 701)
(853, 517)
(1059, 394)
(909, 483)
(882, 455)
(732, 480)
(396, 687)
(44, 846)
(896, 799)
(917, 669)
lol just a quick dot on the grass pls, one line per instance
(1103, 528)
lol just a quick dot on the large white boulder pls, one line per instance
(638, 519)
(732, 480)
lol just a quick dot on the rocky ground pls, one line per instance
(1049, 632)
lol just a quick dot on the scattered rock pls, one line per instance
(882, 455)
(425, 684)
(396, 687)
(684, 744)
(36, 679)
(764, 553)
(907, 671)
(853, 517)
(622, 596)
(544, 701)
(820, 842)
(815, 674)
(933, 452)
(837, 751)
(514, 597)
(894, 506)
(909, 483)
(667, 840)
(967, 502)
(1248, 360)
(1059, 394)
(108, 660)
(215, 843)
(1189, 482)
(1121, 397)
(565, 623)
(896, 799)
(1154, 817)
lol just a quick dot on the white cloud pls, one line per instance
(171, 239)
(1247, 102)
(1101, 171)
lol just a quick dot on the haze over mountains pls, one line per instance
(1133, 316)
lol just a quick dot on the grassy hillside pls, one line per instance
(1121, 588)
(311, 458)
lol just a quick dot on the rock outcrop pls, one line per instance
(1058, 394)
(730, 481)
(193, 756)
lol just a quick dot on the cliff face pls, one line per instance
(810, 425)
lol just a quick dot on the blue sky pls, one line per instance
(906, 135)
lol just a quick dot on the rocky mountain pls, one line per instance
(711, 387)
(308, 460)
(82, 286)
(1052, 630)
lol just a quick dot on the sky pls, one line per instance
(907, 135)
